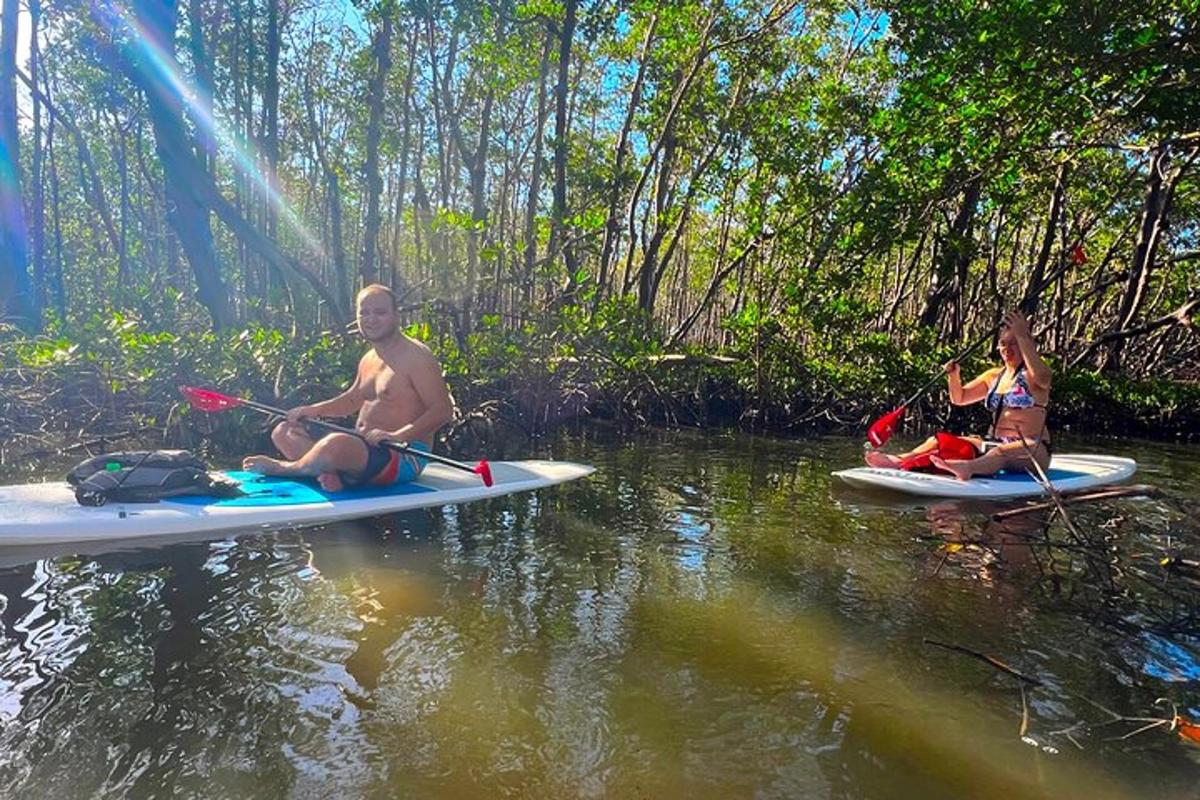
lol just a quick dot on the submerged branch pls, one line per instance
(984, 657)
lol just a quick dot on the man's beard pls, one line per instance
(383, 336)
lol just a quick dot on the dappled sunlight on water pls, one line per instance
(706, 616)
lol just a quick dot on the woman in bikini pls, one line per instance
(1017, 393)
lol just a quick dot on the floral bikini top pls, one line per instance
(1018, 395)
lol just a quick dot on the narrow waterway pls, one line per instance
(706, 616)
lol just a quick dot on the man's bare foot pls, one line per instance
(330, 481)
(958, 469)
(875, 458)
(264, 465)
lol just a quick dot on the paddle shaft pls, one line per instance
(958, 357)
(332, 426)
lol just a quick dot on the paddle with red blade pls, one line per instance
(210, 401)
(882, 429)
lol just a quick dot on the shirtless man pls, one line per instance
(399, 394)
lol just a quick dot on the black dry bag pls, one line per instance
(145, 476)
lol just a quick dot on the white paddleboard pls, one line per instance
(40, 513)
(1067, 473)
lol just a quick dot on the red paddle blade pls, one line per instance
(883, 428)
(484, 471)
(208, 400)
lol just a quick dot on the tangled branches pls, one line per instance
(1103, 569)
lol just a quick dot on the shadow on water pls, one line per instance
(706, 616)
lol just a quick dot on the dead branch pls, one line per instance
(984, 657)
(1103, 493)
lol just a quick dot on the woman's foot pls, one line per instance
(959, 469)
(874, 458)
(331, 481)
(264, 465)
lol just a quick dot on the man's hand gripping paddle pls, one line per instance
(210, 401)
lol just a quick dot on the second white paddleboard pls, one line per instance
(1068, 473)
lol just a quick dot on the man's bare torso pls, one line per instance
(390, 401)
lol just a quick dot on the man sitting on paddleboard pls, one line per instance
(1017, 393)
(399, 395)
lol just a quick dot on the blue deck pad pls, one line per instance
(1021, 476)
(262, 490)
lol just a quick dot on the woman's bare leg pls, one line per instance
(874, 458)
(1010, 455)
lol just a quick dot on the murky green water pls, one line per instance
(704, 617)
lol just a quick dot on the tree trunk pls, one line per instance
(422, 215)
(56, 277)
(681, 87)
(477, 169)
(382, 49)
(655, 266)
(901, 291)
(122, 165)
(405, 146)
(242, 54)
(953, 258)
(16, 294)
(1037, 275)
(333, 199)
(1183, 316)
(333, 191)
(719, 277)
(612, 225)
(267, 250)
(648, 275)
(1152, 229)
(474, 158)
(535, 174)
(186, 212)
(561, 89)
(438, 248)
(270, 132)
(204, 83)
(37, 231)
(695, 180)
(189, 191)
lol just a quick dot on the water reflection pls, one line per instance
(706, 617)
(995, 552)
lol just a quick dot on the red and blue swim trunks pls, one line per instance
(388, 465)
(385, 465)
